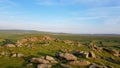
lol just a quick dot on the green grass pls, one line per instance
(39, 50)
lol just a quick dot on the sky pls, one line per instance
(67, 16)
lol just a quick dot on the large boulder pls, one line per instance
(84, 54)
(51, 59)
(80, 63)
(44, 66)
(10, 45)
(66, 56)
(39, 60)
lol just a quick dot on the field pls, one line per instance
(39, 50)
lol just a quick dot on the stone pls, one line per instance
(29, 65)
(14, 55)
(80, 63)
(95, 47)
(10, 45)
(84, 54)
(4, 53)
(39, 60)
(65, 66)
(50, 59)
(44, 66)
(91, 54)
(66, 56)
(77, 44)
(92, 66)
(19, 55)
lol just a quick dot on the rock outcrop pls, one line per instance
(85, 54)
(66, 56)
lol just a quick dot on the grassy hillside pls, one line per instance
(38, 49)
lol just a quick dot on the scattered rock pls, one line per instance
(65, 66)
(19, 55)
(10, 45)
(84, 54)
(14, 55)
(66, 56)
(44, 66)
(94, 47)
(51, 59)
(92, 66)
(80, 63)
(4, 53)
(77, 44)
(29, 65)
(39, 60)
(91, 54)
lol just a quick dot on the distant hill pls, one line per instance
(43, 32)
(18, 31)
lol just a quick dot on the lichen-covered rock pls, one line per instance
(10, 45)
(80, 63)
(66, 56)
(44, 66)
(51, 59)
(39, 60)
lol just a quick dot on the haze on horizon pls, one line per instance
(69, 16)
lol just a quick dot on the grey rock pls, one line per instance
(66, 56)
(39, 60)
(44, 66)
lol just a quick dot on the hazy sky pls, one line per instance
(70, 16)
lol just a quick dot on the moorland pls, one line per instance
(33, 49)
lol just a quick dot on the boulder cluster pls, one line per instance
(48, 61)
(84, 54)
